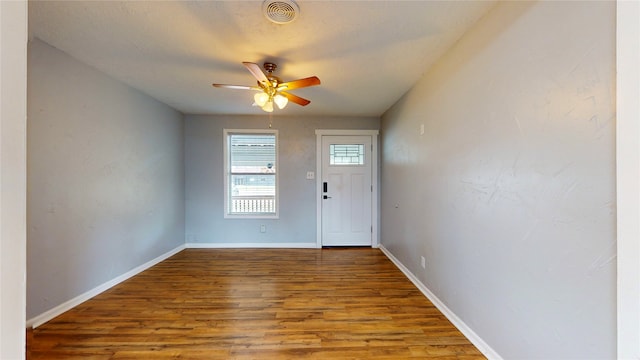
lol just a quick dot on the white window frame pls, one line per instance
(226, 133)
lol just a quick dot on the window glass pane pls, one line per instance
(253, 153)
(253, 194)
(346, 154)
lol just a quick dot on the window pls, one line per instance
(251, 173)
(346, 154)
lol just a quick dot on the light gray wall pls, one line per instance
(510, 193)
(105, 178)
(204, 173)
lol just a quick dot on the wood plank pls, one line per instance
(350, 303)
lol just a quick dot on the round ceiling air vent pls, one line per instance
(280, 11)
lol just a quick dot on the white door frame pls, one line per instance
(13, 179)
(628, 178)
(375, 242)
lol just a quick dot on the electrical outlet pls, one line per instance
(421, 129)
(423, 262)
(263, 228)
(311, 175)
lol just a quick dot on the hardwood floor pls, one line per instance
(348, 303)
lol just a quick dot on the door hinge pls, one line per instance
(372, 229)
(371, 188)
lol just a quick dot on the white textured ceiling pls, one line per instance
(366, 53)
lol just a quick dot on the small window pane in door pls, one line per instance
(346, 154)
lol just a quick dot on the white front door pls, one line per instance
(346, 181)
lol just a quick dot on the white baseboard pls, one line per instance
(312, 245)
(68, 305)
(476, 340)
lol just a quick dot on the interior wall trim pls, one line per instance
(249, 245)
(68, 305)
(476, 340)
(628, 178)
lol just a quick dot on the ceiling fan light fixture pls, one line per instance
(281, 101)
(261, 98)
(280, 11)
(271, 89)
(268, 107)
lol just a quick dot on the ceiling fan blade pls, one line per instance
(300, 83)
(294, 98)
(237, 87)
(257, 73)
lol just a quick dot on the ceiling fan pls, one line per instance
(271, 89)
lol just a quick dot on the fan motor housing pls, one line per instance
(269, 67)
(280, 11)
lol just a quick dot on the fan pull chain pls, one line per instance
(270, 120)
